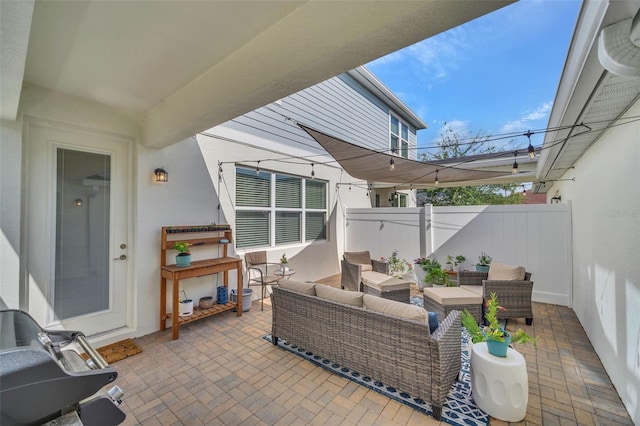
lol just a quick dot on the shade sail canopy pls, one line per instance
(374, 167)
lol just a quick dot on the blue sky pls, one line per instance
(497, 74)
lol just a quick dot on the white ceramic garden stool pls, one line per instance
(500, 386)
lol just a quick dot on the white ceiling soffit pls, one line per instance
(187, 66)
(374, 167)
(587, 93)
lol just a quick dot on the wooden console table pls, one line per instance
(196, 236)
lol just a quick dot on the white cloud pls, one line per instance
(527, 119)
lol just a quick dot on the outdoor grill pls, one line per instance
(44, 378)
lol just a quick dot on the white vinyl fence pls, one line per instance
(537, 237)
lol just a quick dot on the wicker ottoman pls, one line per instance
(391, 288)
(446, 299)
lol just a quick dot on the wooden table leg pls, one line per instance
(240, 287)
(175, 309)
(163, 304)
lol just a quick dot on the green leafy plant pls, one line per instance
(182, 247)
(484, 259)
(397, 266)
(459, 259)
(493, 330)
(438, 276)
(426, 264)
(283, 259)
(456, 260)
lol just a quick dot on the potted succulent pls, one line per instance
(455, 261)
(496, 337)
(484, 260)
(183, 258)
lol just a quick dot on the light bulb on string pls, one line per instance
(437, 180)
(258, 167)
(392, 164)
(515, 164)
(530, 149)
(313, 173)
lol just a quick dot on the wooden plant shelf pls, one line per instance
(199, 313)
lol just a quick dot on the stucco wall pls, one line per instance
(606, 248)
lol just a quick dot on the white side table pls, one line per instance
(500, 386)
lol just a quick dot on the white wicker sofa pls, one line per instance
(402, 353)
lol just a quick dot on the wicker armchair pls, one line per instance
(352, 266)
(513, 295)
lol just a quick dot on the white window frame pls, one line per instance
(403, 143)
(272, 210)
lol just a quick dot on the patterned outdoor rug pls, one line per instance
(458, 410)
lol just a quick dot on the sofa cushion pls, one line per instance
(299, 286)
(338, 295)
(362, 258)
(394, 308)
(503, 272)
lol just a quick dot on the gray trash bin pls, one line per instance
(247, 295)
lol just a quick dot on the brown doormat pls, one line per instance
(117, 351)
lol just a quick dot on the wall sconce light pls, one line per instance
(161, 175)
(556, 199)
(78, 202)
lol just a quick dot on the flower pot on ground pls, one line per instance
(183, 258)
(438, 277)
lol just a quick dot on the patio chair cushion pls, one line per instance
(362, 258)
(382, 281)
(503, 272)
(347, 297)
(476, 289)
(452, 296)
(394, 308)
(299, 286)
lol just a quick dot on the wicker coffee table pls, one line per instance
(446, 299)
(392, 289)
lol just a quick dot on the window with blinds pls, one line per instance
(275, 209)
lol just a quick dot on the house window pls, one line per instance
(399, 137)
(399, 200)
(274, 209)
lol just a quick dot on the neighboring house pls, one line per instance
(282, 192)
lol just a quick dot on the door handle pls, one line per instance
(122, 257)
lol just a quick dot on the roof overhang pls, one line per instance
(186, 66)
(374, 167)
(587, 93)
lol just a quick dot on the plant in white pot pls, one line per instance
(183, 258)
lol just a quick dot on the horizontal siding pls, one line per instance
(340, 107)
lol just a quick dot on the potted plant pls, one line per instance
(449, 263)
(459, 260)
(183, 258)
(438, 277)
(283, 263)
(484, 260)
(496, 337)
(422, 266)
(185, 307)
(397, 267)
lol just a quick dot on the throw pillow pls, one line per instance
(394, 308)
(300, 287)
(347, 297)
(503, 272)
(433, 321)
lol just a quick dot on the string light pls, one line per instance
(392, 164)
(515, 164)
(219, 170)
(437, 180)
(313, 173)
(258, 167)
(532, 152)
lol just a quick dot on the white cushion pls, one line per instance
(338, 295)
(476, 289)
(383, 282)
(299, 286)
(394, 308)
(503, 272)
